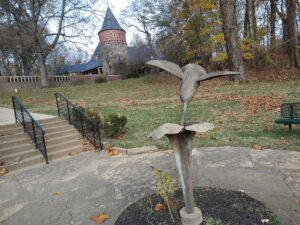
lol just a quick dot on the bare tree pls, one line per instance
(140, 19)
(228, 13)
(48, 22)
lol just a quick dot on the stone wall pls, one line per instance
(116, 55)
(118, 36)
(75, 80)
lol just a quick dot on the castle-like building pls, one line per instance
(112, 55)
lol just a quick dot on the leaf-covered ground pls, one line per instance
(243, 114)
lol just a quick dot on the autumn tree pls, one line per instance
(235, 59)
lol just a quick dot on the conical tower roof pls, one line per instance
(110, 22)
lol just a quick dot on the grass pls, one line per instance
(243, 114)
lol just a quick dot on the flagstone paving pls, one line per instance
(70, 191)
(7, 116)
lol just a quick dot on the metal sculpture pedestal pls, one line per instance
(181, 139)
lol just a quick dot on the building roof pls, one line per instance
(136, 55)
(110, 22)
(94, 62)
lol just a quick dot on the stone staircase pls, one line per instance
(18, 151)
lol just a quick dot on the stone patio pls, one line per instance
(70, 191)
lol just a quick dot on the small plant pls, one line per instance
(115, 124)
(95, 115)
(90, 112)
(165, 188)
(212, 221)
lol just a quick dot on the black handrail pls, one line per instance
(31, 126)
(88, 127)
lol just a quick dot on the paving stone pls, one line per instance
(93, 183)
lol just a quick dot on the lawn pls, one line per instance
(243, 114)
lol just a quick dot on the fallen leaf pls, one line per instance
(170, 151)
(267, 129)
(100, 218)
(265, 221)
(73, 153)
(57, 193)
(3, 171)
(240, 120)
(258, 147)
(285, 142)
(18, 158)
(112, 152)
(159, 206)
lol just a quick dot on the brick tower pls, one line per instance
(113, 44)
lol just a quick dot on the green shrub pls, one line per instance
(88, 111)
(95, 115)
(114, 125)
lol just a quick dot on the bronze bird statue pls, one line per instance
(190, 77)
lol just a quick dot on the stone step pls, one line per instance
(16, 141)
(66, 144)
(51, 120)
(11, 131)
(39, 159)
(63, 138)
(22, 155)
(71, 130)
(16, 148)
(54, 124)
(13, 136)
(24, 163)
(64, 153)
(59, 128)
(10, 126)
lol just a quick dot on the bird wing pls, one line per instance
(195, 68)
(168, 66)
(216, 74)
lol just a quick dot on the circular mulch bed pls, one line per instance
(218, 206)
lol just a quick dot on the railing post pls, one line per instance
(14, 105)
(57, 105)
(34, 134)
(69, 116)
(45, 149)
(98, 130)
(23, 121)
(81, 124)
(94, 133)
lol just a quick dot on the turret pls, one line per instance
(112, 39)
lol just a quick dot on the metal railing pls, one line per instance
(31, 126)
(88, 127)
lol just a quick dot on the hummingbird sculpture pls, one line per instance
(190, 77)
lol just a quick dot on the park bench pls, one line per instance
(290, 114)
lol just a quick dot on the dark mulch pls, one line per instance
(218, 206)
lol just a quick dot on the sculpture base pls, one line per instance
(194, 218)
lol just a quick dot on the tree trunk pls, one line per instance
(235, 59)
(254, 31)
(247, 30)
(43, 72)
(293, 50)
(26, 64)
(272, 22)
